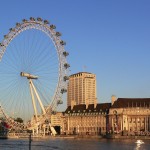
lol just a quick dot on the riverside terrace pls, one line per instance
(126, 116)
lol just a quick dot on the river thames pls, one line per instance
(74, 144)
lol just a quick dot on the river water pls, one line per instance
(74, 144)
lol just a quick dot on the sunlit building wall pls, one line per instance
(81, 89)
(130, 115)
(56, 119)
(86, 119)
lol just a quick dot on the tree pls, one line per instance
(20, 120)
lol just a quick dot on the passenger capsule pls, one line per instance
(39, 19)
(59, 102)
(65, 53)
(11, 29)
(5, 36)
(52, 26)
(66, 65)
(24, 20)
(46, 22)
(32, 19)
(18, 24)
(66, 78)
(58, 34)
(62, 42)
(63, 91)
(1, 44)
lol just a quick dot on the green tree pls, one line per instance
(20, 120)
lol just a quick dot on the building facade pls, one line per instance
(81, 89)
(125, 116)
(130, 115)
(56, 119)
(86, 119)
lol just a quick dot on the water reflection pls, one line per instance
(74, 144)
(139, 143)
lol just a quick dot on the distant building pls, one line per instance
(81, 89)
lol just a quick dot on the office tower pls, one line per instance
(81, 89)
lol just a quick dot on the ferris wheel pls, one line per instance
(33, 71)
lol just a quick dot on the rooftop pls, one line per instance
(80, 73)
(131, 102)
(82, 108)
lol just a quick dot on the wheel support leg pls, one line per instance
(33, 100)
(38, 98)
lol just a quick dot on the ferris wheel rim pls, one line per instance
(59, 47)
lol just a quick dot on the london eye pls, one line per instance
(33, 71)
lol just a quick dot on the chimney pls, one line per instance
(73, 103)
(113, 99)
(87, 104)
(95, 103)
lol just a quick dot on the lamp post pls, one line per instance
(116, 120)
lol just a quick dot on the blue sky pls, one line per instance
(110, 37)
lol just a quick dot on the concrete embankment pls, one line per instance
(126, 137)
(84, 136)
(3, 137)
(106, 137)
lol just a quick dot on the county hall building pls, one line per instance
(84, 116)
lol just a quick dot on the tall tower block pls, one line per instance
(82, 89)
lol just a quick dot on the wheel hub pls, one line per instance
(29, 76)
